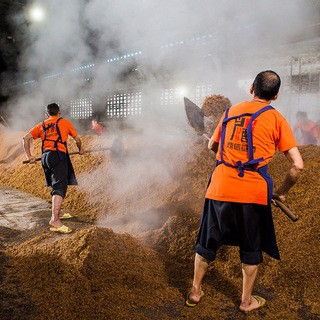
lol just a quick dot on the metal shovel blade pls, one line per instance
(194, 115)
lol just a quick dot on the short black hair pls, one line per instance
(53, 109)
(266, 85)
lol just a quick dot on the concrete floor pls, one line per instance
(22, 211)
(24, 216)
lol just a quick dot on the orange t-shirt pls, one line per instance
(310, 132)
(65, 126)
(97, 128)
(270, 131)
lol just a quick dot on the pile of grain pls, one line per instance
(97, 273)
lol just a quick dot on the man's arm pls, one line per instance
(26, 146)
(213, 145)
(79, 144)
(294, 157)
(316, 134)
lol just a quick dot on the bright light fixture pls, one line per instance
(181, 91)
(37, 13)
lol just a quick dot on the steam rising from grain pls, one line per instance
(166, 44)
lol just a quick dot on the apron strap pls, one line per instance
(251, 163)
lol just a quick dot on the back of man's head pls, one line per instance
(53, 109)
(266, 85)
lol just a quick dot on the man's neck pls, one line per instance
(257, 99)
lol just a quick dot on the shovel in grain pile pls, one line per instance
(194, 115)
(196, 120)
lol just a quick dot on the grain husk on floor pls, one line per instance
(97, 272)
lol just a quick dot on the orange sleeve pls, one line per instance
(286, 137)
(35, 131)
(70, 128)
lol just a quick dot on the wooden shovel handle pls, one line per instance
(38, 159)
(72, 153)
(286, 210)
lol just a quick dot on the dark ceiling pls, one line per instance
(9, 43)
(11, 37)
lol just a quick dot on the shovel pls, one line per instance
(116, 148)
(286, 210)
(72, 153)
(195, 118)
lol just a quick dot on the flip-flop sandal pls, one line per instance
(191, 303)
(66, 215)
(62, 229)
(261, 303)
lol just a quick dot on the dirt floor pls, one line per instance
(133, 259)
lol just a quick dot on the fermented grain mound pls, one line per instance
(11, 145)
(94, 274)
(213, 108)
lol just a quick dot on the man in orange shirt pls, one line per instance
(56, 163)
(237, 208)
(309, 131)
(97, 127)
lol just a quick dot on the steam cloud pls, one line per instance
(247, 35)
(243, 38)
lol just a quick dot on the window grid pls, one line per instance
(167, 97)
(200, 93)
(173, 96)
(122, 105)
(302, 83)
(81, 109)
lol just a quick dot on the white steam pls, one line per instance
(180, 43)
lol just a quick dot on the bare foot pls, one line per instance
(56, 223)
(255, 303)
(194, 297)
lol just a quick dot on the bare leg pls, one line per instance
(200, 268)
(56, 207)
(249, 273)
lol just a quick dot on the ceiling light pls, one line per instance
(37, 13)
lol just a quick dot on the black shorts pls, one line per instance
(230, 223)
(56, 171)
